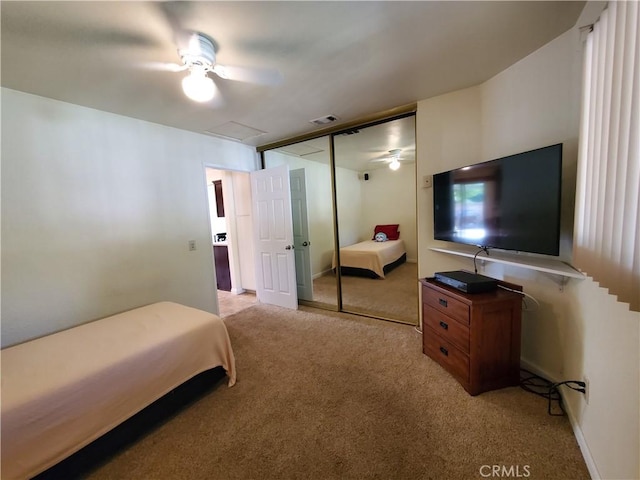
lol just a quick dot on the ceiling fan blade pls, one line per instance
(259, 76)
(175, 14)
(162, 66)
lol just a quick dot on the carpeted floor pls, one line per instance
(323, 396)
(394, 297)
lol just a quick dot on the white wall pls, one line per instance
(581, 331)
(97, 212)
(390, 197)
(350, 207)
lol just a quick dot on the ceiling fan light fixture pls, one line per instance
(197, 86)
(395, 159)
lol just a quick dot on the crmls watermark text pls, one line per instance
(505, 471)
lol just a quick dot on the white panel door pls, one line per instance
(301, 240)
(275, 261)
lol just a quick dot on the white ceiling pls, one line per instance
(349, 59)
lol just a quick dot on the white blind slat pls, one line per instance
(607, 230)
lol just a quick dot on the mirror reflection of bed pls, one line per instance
(384, 196)
(382, 259)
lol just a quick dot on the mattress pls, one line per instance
(371, 255)
(62, 391)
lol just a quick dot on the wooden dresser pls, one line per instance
(475, 337)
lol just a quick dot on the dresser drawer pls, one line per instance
(446, 354)
(448, 329)
(446, 304)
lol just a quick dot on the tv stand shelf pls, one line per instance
(551, 266)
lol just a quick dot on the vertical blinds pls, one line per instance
(607, 228)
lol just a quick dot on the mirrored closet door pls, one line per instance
(370, 173)
(309, 165)
(376, 205)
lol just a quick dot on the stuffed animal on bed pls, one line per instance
(380, 237)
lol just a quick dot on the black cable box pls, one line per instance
(466, 281)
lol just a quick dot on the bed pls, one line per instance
(371, 258)
(62, 391)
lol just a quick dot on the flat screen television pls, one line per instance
(511, 203)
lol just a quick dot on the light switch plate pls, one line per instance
(427, 181)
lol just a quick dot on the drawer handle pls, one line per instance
(442, 302)
(444, 350)
(444, 325)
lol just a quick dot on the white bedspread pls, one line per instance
(371, 255)
(62, 391)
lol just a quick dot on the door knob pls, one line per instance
(305, 244)
(289, 247)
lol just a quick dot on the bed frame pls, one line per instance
(366, 273)
(87, 459)
(63, 391)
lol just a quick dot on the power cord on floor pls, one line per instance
(542, 387)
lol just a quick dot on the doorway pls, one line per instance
(229, 197)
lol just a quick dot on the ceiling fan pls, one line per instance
(198, 55)
(393, 158)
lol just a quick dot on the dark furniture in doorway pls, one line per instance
(223, 273)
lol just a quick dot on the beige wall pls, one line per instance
(390, 197)
(97, 213)
(581, 331)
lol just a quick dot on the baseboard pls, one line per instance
(533, 368)
(237, 291)
(318, 275)
(577, 430)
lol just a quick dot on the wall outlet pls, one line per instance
(192, 245)
(427, 181)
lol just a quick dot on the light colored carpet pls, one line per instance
(394, 297)
(323, 396)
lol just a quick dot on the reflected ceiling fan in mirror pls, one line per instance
(393, 158)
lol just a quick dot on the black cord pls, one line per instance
(542, 387)
(482, 249)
